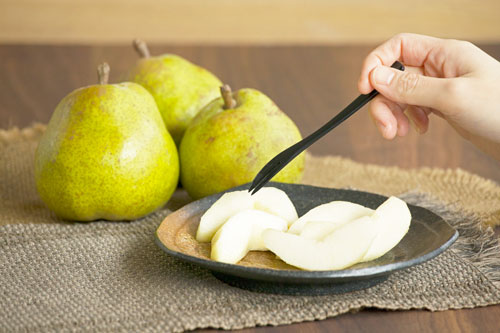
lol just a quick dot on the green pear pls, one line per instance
(232, 138)
(180, 88)
(106, 154)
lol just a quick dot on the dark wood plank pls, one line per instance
(311, 84)
(480, 320)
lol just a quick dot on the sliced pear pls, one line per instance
(319, 230)
(228, 205)
(335, 213)
(392, 220)
(277, 202)
(230, 242)
(243, 233)
(343, 248)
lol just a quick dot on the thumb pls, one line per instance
(406, 87)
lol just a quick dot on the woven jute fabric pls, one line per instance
(103, 276)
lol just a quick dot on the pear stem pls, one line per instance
(227, 96)
(141, 47)
(103, 73)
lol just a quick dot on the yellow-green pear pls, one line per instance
(232, 138)
(180, 88)
(106, 154)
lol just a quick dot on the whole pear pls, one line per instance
(180, 88)
(106, 154)
(232, 138)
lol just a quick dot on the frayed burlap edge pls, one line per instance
(472, 193)
(477, 243)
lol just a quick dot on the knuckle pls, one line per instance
(401, 36)
(466, 45)
(451, 44)
(407, 83)
(459, 44)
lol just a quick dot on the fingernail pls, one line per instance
(383, 75)
(418, 127)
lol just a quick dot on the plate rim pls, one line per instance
(269, 274)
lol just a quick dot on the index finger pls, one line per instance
(410, 49)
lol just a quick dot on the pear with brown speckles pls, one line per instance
(106, 154)
(232, 138)
(180, 88)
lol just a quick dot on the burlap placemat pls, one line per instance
(58, 276)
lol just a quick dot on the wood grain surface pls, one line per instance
(244, 21)
(311, 84)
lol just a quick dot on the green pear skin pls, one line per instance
(106, 154)
(179, 87)
(224, 148)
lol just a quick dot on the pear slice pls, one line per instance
(319, 230)
(228, 205)
(392, 220)
(277, 202)
(343, 248)
(243, 233)
(335, 213)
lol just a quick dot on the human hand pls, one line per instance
(452, 79)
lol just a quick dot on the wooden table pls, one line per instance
(309, 83)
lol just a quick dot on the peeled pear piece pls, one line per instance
(277, 202)
(335, 213)
(343, 248)
(228, 205)
(268, 199)
(319, 230)
(243, 233)
(392, 220)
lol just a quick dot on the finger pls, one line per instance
(401, 118)
(383, 118)
(409, 88)
(411, 49)
(415, 70)
(388, 117)
(408, 69)
(419, 118)
(429, 111)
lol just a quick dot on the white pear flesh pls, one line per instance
(243, 233)
(392, 220)
(277, 202)
(343, 248)
(319, 230)
(228, 205)
(335, 213)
